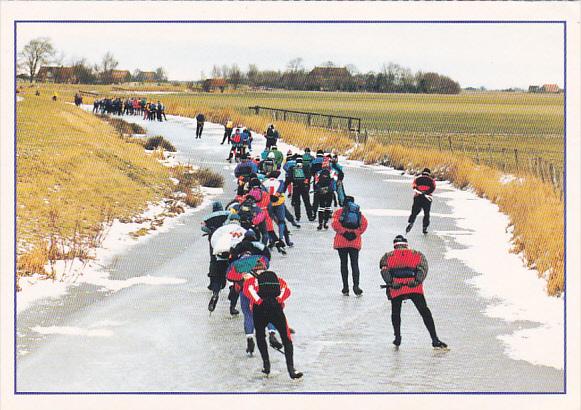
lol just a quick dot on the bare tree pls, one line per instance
(235, 75)
(37, 52)
(252, 74)
(108, 62)
(216, 71)
(160, 74)
(295, 65)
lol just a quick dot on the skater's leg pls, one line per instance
(354, 257)
(416, 208)
(248, 321)
(343, 256)
(260, 322)
(422, 307)
(427, 204)
(396, 316)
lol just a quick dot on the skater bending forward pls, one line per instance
(267, 293)
(404, 271)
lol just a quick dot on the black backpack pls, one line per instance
(324, 184)
(268, 285)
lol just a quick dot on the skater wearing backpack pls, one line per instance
(324, 196)
(209, 225)
(404, 271)
(423, 187)
(236, 141)
(267, 165)
(239, 271)
(299, 185)
(267, 294)
(349, 224)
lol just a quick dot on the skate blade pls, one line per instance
(441, 349)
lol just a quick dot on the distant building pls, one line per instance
(328, 78)
(551, 88)
(117, 76)
(146, 77)
(534, 89)
(212, 84)
(546, 88)
(57, 75)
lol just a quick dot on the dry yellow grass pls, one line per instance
(534, 208)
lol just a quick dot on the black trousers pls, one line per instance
(270, 142)
(301, 191)
(199, 128)
(218, 274)
(420, 303)
(344, 255)
(421, 203)
(227, 135)
(323, 206)
(270, 311)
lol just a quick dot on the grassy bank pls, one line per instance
(74, 172)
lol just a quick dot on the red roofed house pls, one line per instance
(57, 75)
(214, 83)
(550, 88)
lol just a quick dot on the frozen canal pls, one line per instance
(160, 338)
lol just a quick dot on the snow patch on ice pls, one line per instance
(399, 212)
(72, 331)
(515, 292)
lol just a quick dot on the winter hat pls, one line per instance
(250, 234)
(254, 183)
(307, 150)
(244, 156)
(273, 148)
(319, 153)
(349, 198)
(217, 206)
(299, 160)
(289, 153)
(400, 240)
(426, 171)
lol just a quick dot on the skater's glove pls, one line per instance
(349, 235)
(413, 283)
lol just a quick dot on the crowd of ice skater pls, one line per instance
(244, 234)
(150, 110)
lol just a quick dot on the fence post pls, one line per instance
(516, 158)
(330, 122)
(504, 160)
(309, 119)
(284, 115)
(439, 143)
(257, 110)
(450, 143)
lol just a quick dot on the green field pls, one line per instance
(487, 126)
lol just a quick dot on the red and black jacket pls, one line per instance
(400, 267)
(424, 185)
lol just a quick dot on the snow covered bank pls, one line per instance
(515, 292)
(119, 238)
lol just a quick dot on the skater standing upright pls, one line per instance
(404, 270)
(423, 187)
(271, 136)
(227, 132)
(200, 118)
(349, 224)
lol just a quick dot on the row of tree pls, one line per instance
(41, 52)
(391, 78)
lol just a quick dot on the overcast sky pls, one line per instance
(492, 55)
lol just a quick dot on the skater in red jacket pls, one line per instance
(350, 224)
(404, 271)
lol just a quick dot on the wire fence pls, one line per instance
(544, 164)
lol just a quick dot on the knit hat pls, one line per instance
(349, 198)
(426, 171)
(307, 150)
(400, 240)
(289, 153)
(319, 153)
(217, 206)
(250, 234)
(254, 183)
(299, 160)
